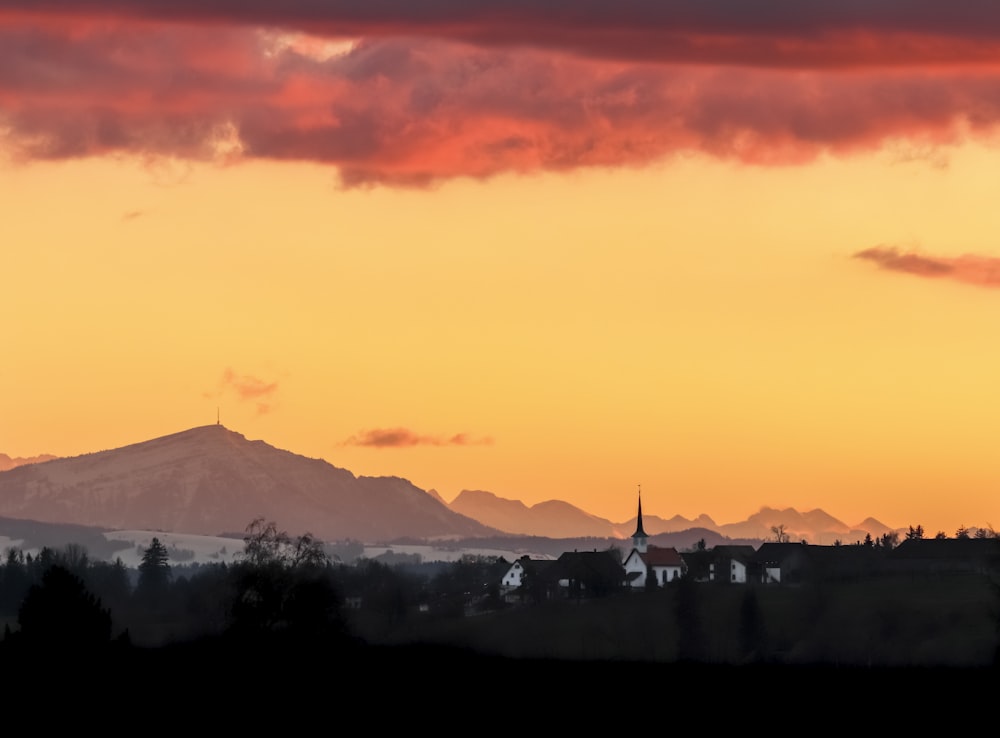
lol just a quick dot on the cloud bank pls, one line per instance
(408, 94)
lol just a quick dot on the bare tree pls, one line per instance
(780, 536)
(264, 545)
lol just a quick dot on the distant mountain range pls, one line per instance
(213, 481)
(555, 519)
(6, 462)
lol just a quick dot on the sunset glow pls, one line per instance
(739, 258)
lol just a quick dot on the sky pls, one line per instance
(738, 254)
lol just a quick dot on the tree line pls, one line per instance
(282, 589)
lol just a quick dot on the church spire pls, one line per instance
(639, 537)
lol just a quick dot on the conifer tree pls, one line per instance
(154, 570)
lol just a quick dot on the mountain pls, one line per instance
(555, 519)
(211, 480)
(551, 519)
(814, 526)
(558, 519)
(6, 462)
(654, 525)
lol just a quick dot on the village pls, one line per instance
(646, 566)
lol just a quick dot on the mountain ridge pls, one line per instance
(558, 519)
(208, 479)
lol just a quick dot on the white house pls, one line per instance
(730, 564)
(665, 564)
(514, 575)
(536, 571)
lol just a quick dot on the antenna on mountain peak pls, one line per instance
(217, 417)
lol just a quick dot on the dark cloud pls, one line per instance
(845, 32)
(891, 258)
(983, 271)
(413, 102)
(402, 437)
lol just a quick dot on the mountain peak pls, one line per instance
(210, 479)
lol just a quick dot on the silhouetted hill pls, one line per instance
(210, 479)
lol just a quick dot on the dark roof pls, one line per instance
(743, 554)
(537, 566)
(778, 551)
(586, 564)
(697, 562)
(947, 548)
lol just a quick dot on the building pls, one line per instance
(647, 565)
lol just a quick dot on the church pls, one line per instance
(645, 564)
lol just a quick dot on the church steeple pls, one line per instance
(639, 537)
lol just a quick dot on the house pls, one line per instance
(733, 564)
(528, 578)
(594, 573)
(698, 564)
(512, 579)
(777, 563)
(795, 563)
(663, 564)
(646, 564)
(949, 555)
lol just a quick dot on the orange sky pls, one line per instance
(755, 265)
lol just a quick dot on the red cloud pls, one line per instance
(978, 270)
(426, 105)
(400, 437)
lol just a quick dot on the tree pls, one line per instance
(14, 582)
(780, 536)
(154, 569)
(61, 615)
(962, 532)
(915, 533)
(264, 545)
(890, 540)
(283, 587)
(651, 583)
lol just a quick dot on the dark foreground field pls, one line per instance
(202, 687)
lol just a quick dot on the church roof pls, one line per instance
(656, 556)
